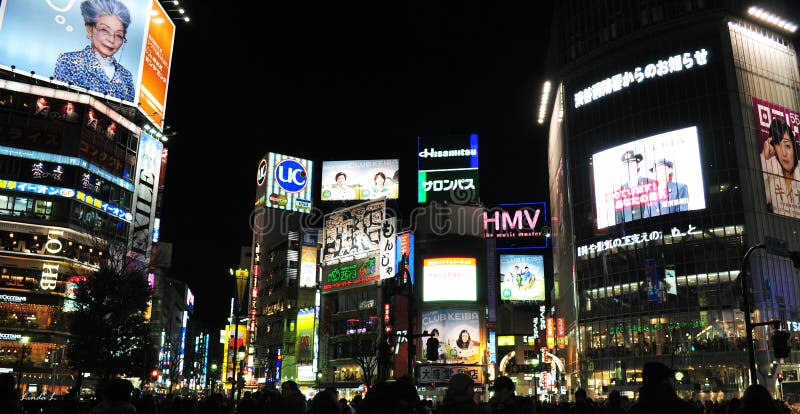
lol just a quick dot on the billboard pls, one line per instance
(352, 274)
(360, 179)
(308, 266)
(352, 231)
(156, 62)
(517, 226)
(448, 152)
(648, 177)
(286, 181)
(459, 333)
(778, 151)
(449, 279)
(305, 335)
(148, 170)
(521, 277)
(456, 186)
(45, 39)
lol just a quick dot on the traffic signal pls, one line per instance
(780, 377)
(432, 349)
(780, 344)
(154, 373)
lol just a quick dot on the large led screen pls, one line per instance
(459, 333)
(449, 279)
(360, 179)
(287, 181)
(521, 277)
(649, 177)
(352, 231)
(103, 46)
(778, 150)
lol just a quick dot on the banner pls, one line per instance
(459, 333)
(777, 129)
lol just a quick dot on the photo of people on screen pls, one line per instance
(672, 195)
(633, 198)
(340, 190)
(95, 67)
(781, 175)
(379, 190)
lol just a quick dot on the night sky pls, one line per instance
(364, 81)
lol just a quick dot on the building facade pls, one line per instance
(662, 175)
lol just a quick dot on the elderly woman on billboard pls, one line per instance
(94, 67)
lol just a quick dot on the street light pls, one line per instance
(23, 342)
(778, 248)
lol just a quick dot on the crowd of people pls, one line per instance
(656, 395)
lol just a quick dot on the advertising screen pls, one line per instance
(455, 186)
(308, 266)
(287, 182)
(46, 38)
(649, 177)
(352, 231)
(305, 335)
(449, 279)
(448, 152)
(459, 333)
(521, 277)
(778, 152)
(351, 274)
(360, 179)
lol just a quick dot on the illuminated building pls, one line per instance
(79, 171)
(657, 121)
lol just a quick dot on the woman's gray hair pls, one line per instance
(92, 9)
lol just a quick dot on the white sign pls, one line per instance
(388, 246)
(10, 337)
(14, 299)
(660, 68)
(634, 239)
(49, 276)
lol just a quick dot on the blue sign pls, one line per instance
(48, 190)
(291, 176)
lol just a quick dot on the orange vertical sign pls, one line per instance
(551, 333)
(156, 61)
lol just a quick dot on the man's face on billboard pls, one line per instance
(663, 173)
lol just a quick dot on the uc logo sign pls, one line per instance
(291, 176)
(261, 174)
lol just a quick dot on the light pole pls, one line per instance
(23, 342)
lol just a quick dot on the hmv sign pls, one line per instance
(517, 226)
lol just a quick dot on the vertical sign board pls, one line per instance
(156, 61)
(405, 248)
(388, 246)
(551, 337)
(148, 167)
(560, 333)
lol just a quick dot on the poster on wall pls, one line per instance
(459, 333)
(777, 129)
(521, 277)
(648, 177)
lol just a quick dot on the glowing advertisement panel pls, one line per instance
(778, 152)
(360, 179)
(449, 279)
(308, 266)
(156, 61)
(47, 190)
(454, 186)
(46, 38)
(447, 152)
(521, 277)
(288, 182)
(305, 335)
(353, 231)
(649, 177)
(352, 274)
(145, 197)
(459, 333)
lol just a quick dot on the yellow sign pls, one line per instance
(505, 341)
